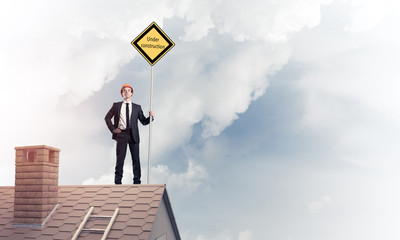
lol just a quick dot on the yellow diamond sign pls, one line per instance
(153, 43)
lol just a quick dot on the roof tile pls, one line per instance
(144, 235)
(150, 219)
(97, 203)
(125, 211)
(125, 203)
(4, 221)
(138, 214)
(9, 214)
(46, 237)
(16, 236)
(129, 237)
(116, 194)
(105, 190)
(89, 194)
(74, 220)
(55, 223)
(159, 190)
(111, 206)
(92, 189)
(136, 223)
(147, 227)
(148, 188)
(33, 234)
(107, 212)
(81, 206)
(115, 234)
(154, 204)
(50, 230)
(133, 191)
(132, 230)
(85, 200)
(66, 189)
(69, 203)
(78, 191)
(130, 197)
(74, 197)
(65, 209)
(101, 197)
(144, 200)
(61, 216)
(147, 194)
(152, 211)
(63, 235)
(141, 207)
(122, 218)
(6, 232)
(68, 227)
(119, 225)
(6, 205)
(63, 194)
(114, 200)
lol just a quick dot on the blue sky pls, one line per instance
(274, 119)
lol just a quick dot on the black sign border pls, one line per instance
(153, 25)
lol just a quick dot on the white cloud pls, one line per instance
(188, 181)
(104, 179)
(260, 20)
(365, 15)
(350, 87)
(245, 235)
(225, 234)
(247, 72)
(318, 205)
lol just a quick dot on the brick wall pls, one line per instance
(36, 183)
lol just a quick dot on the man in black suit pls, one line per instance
(125, 131)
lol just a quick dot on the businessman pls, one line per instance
(122, 120)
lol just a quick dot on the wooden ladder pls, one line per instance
(89, 215)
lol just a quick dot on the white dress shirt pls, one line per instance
(122, 118)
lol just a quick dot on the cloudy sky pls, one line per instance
(274, 119)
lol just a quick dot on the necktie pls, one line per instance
(127, 116)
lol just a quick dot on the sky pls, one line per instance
(274, 119)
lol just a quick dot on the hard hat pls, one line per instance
(124, 86)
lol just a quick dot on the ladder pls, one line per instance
(89, 215)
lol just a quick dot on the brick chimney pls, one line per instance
(36, 183)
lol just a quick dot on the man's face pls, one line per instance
(127, 92)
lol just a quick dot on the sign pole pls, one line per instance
(151, 109)
(152, 43)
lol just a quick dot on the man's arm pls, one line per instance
(143, 119)
(108, 118)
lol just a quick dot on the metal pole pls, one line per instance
(151, 109)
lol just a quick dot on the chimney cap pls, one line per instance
(38, 147)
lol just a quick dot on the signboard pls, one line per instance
(153, 43)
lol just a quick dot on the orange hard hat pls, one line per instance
(124, 86)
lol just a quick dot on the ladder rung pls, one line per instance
(89, 215)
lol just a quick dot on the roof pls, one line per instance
(138, 205)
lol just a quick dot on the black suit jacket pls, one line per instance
(137, 114)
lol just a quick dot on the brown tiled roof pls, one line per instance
(138, 205)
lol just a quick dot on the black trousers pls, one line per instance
(125, 139)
